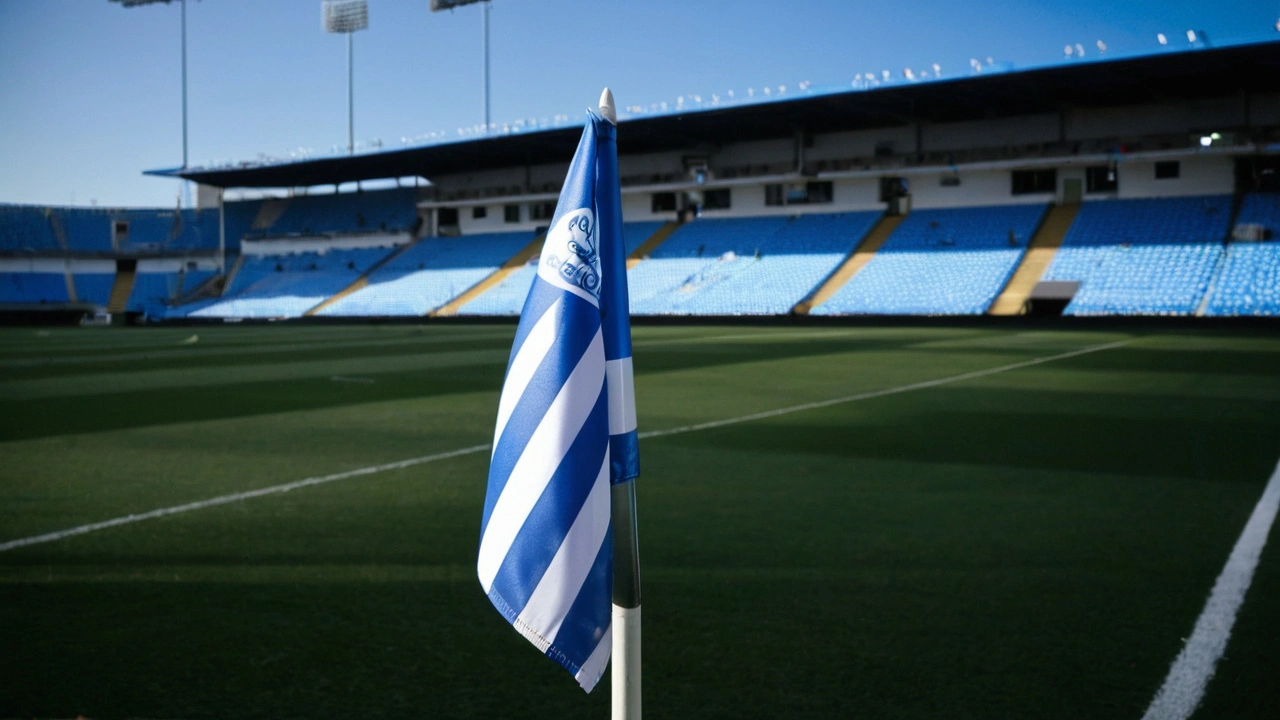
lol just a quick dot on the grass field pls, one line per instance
(1030, 542)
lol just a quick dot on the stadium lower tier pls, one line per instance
(925, 282)
(1249, 283)
(936, 262)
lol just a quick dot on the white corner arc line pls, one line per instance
(224, 499)
(308, 482)
(1184, 687)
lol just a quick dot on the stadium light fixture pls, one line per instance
(346, 17)
(437, 6)
(1191, 36)
(1160, 38)
(1102, 47)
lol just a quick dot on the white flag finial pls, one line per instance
(607, 109)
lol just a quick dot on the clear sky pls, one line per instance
(90, 92)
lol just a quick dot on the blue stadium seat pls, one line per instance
(288, 286)
(507, 297)
(94, 287)
(429, 274)
(744, 266)
(951, 261)
(27, 229)
(392, 210)
(1249, 283)
(1151, 256)
(29, 288)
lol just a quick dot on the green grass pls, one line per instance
(1032, 543)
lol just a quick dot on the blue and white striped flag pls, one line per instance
(566, 428)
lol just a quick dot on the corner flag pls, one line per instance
(566, 427)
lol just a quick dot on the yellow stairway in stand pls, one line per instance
(657, 238)
(857, 259)
(121, 289)
(516, 262)
(1040, 251)
(361, 282)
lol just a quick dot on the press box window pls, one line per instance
(806, 194)
(1168, 170)
(663, 202)
(511, 213)
(448, 216)
(1027, 182)
(715, 199)
(478, 212)
(542, 210)
(1100, 178)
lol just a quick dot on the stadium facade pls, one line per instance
(1143, 186)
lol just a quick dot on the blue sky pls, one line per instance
(90, 91)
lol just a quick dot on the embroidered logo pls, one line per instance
(570, 253)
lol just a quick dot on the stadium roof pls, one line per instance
(1189, 75)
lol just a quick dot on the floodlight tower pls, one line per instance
(136, 3)
(346, 17)
(438, 5)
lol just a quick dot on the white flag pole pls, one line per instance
(626, 604)
(626, 569)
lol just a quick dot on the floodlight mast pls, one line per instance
(346, 17)
(139, 3)
(438, 5)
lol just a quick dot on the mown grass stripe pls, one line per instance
(222, 500)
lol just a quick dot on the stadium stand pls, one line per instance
(94, 287)
(27, 229)
(1142, 256)
(275, 286)
(154, 292)
(507, 297)
(950, 261)
(1249, 282)
(30, 288)
(634, 234)
(428, 274)
(374, 211)
(36, 230)
(744, 266)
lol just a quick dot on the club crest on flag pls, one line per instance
(569, 256)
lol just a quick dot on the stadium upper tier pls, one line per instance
(374, 211)
(1143, 257)
(940, 262)
(35, 230)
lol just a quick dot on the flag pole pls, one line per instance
(626, 547)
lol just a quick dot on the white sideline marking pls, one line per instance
(223, 500)
(1193, 668)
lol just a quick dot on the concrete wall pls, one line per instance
(978, 187)
(1026, 130)
(1171, 118)
(1207, 175)
(861, 143)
